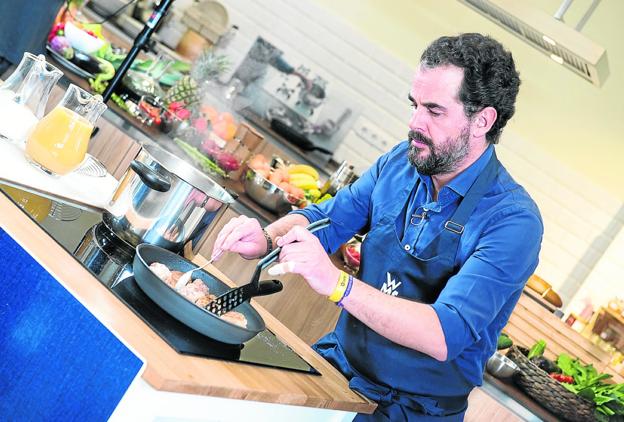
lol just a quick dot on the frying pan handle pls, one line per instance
(267, 260)
(268, 287)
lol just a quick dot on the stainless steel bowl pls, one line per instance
(500, 366)
(266, 194)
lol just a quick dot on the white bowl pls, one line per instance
(82, 41)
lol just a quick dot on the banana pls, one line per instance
(323, 198)
(302, 177)
(303, 181)
(303, 169)
(313, 194)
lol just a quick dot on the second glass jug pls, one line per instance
(59, 142)
(24, 95)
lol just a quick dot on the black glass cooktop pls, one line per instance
(109, 259)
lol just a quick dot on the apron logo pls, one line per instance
(390, 286)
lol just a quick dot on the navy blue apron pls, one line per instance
(407, 384)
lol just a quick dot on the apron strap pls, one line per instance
(454, 227)
(384, 396)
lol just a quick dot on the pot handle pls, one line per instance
(150, 177)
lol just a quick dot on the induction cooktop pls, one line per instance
(83, 234)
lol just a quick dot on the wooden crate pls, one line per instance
(531, 322)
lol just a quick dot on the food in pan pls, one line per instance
(203, 301)
(195, 291)
(161, 271)
(235, 318)
(173, 280)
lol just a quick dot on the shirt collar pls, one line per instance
(466, 178)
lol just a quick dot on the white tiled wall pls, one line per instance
(374, 83)
(607, 279)
(581, 220)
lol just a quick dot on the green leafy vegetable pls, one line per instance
(537, 349)
(504, 342)
(588, 383)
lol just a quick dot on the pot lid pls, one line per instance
(189, 174)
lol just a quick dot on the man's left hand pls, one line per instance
(303, 254)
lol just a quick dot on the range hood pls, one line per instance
(561, 43)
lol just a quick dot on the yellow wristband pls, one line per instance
(341, 287)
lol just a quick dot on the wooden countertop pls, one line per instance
(169, 371)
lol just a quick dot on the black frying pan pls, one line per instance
(295, 137)
(187, 312)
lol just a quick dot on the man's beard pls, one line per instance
(441, 159)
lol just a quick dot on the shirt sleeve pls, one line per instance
(349, 211)
(505, 256)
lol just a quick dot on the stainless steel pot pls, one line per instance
(164, 201)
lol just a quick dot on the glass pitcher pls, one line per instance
(24, 95)
(58, 144)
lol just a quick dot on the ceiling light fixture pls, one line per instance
(550, 35)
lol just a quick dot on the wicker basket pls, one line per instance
(548, 392)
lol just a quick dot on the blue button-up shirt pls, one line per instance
(497, 253)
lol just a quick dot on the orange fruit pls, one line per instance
(284, 174)
(285, 186)
(264, 172)
(225, 117)
(298, 193)
(210, 113)
(230, 131)
(258, 162)
(275, 178)
(224, 130)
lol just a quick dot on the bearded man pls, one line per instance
(450, 241)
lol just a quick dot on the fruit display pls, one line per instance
(209, 135)
(184, 91)
(222, 123)
(307, 179)
(190, 88)
(280, 177)
(224, 159)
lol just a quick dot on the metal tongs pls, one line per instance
(234, 297)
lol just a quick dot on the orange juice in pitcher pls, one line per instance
(59, 142)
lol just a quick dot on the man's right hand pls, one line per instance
(242, 235)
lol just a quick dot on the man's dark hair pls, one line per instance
(490, 76)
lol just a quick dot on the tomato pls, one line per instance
(562, 378)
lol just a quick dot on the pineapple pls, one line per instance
(185, 90)
(209, 66)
